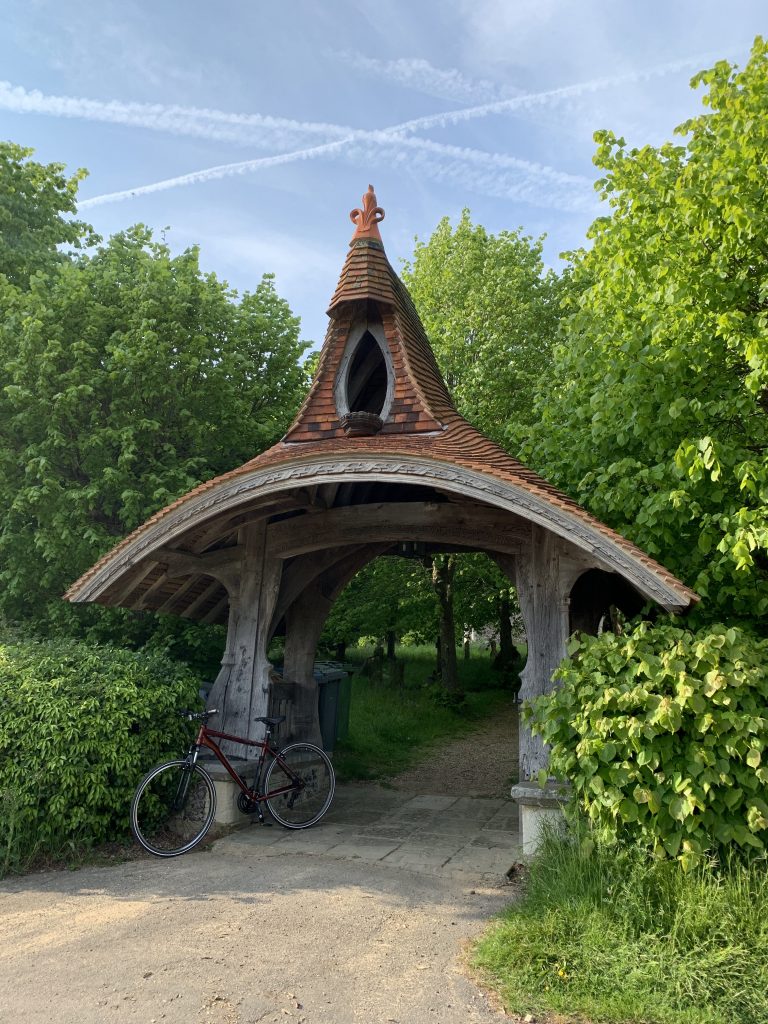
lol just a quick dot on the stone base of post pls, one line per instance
(539, 806)
(227, 811)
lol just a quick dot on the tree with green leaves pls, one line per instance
(127, 377)
(389, 597)
(36, 201)
(491, 313)
(656, 413)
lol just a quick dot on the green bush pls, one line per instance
(79, 725)
(662, 733)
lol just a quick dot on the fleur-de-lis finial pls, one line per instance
(366, 221)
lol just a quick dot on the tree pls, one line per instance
(390, 596)
(126, 378)
(491, 313)
(34, 202)
(656, 414)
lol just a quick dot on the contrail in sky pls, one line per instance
(222, 125)
(211, 173)
(254, 128)
(199, 122)
(549, 96)
(561, 186)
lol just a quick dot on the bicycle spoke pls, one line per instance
(306, 777)
(173, 808)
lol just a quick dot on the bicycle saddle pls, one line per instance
(271, 721)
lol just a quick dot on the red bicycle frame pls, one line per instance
(205, 739)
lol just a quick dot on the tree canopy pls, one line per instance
(34, 202)
(491, 313)
(655, 414)
(126, 377)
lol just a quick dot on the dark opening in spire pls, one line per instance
(368, 379)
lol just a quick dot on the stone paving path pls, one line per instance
(460, 837)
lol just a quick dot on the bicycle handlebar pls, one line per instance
(193, 716)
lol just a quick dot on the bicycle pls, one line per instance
(175, 803)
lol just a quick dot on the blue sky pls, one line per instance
(488, 104)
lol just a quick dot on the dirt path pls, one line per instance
(238, 935)
(241, 939)
(482, 763)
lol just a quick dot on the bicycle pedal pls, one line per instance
(267, 824)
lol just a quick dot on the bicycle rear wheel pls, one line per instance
(306, 773)
(173, 808)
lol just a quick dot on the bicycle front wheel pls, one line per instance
(305, 774)
(173, 808)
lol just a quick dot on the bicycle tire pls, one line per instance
(302, 807)
(172, 809)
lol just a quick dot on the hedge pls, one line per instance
(79, 725)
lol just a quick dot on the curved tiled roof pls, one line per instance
(422, 428)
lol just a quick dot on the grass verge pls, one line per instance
(393, 727)
(615, 939)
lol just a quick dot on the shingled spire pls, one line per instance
(377, 372)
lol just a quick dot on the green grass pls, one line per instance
(393, 728)
(616, 939)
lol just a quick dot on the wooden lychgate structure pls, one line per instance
(377, 456)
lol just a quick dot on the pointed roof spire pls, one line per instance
(367, 219)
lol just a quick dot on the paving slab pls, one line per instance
(424, 832)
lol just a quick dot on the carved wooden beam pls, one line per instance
(225, 525)
(219, 564)
(325, 565)
(475, 527)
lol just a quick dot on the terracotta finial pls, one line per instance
(367, 219)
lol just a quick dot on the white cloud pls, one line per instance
(421, 76)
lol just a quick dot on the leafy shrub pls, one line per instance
(662, 733)
(79, 725)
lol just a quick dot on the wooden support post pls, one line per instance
(543, 575)
(304, 623)
(542, 589)
(241, 689)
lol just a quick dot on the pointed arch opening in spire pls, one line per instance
(365, 379)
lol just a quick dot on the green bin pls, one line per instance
(334, 692)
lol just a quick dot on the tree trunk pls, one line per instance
(341, 650)
(507, 651)
(391, 637)
(443, 571)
